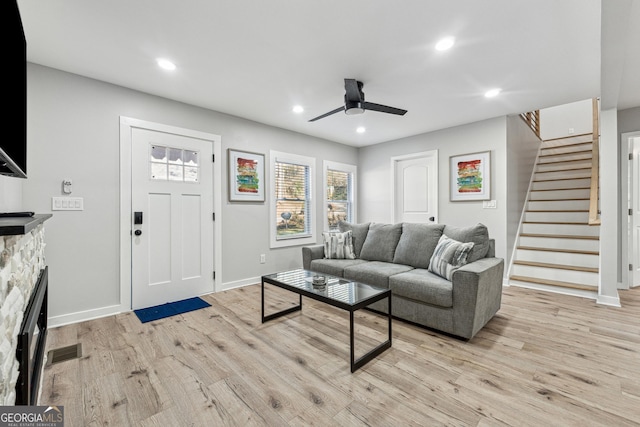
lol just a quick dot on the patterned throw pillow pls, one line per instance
(338, 245)
(449, 256)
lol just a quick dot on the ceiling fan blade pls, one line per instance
(353, 90)
(383, 108)
(337, 110)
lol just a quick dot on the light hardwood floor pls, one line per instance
(544, 360)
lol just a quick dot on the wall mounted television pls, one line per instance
(13, 149)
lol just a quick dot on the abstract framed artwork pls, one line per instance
(470, 177)
(246, 176)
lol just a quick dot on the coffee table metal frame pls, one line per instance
(351, 308)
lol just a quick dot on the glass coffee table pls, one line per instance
(345, 294)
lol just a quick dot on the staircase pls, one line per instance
(557, 249)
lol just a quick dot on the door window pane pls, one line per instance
(174, 164)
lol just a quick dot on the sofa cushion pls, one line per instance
(335, 267)
(381, 242)
(374, 273)
(422, 285)
(449, 256)
(478, 234)
(358, 234)
(338, 245)
(417, 244)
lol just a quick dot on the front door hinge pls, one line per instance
(213, 158)
(630, 211)
(214, 216)
(630, 156)
(214, 275)
(630, 267)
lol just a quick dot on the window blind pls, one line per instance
(293, 196)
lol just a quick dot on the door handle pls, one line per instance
(137, 232)
(433, 218)
(137, 217)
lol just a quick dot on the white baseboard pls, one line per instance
(610, 301)
(239, 283)
(81, 316)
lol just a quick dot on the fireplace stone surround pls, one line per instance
(22, 264)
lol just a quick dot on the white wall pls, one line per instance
(374, 197)
(10, 194)
(610, 209)
(522, 151)
(555, 122)
(73, 131)
(628, 121)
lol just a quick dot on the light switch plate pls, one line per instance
(489, 204)
(67, 204)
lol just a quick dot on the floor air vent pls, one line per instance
(64, 353)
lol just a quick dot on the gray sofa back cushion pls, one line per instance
(381, 242)
(417, 243)
(358, 234)
(478, 234)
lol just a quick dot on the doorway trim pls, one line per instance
(394, 165)
(127, 124)
(626, 244)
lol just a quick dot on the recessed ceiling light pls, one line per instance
(298, 109)
(361, 129)
(445, 43)
(492, 93)
(166, 64)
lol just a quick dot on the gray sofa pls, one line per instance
(397, 256)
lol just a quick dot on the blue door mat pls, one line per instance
(170, 309)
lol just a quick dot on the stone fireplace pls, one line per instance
(23, 286)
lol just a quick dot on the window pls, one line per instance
(174, 164)
(339, 193)
(292, 221)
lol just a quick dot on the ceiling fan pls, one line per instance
(354, 102)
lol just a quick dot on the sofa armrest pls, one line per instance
(309, 253)
(477, 294)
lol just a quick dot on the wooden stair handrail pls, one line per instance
(594, 214)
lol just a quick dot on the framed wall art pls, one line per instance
(246, 176)
(470, 177)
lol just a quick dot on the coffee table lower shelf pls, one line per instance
(356, 363)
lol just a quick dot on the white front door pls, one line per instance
(172, 217)
(415, 187)
(634, 219)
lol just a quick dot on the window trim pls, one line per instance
(309, 239)
(341, 167)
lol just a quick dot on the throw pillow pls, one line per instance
(358, 234)
(381, 242)
(338, 245)
(478, 234)
(449, 256)
(417, 243)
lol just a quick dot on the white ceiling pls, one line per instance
(256, 59)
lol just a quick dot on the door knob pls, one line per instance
(433, 218)
(137, 232)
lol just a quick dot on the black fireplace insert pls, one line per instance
(31, 342)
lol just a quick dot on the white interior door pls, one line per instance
(415, 187)
(172, 239)
(634, 218)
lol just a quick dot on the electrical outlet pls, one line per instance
(571, 131)
(263, 258)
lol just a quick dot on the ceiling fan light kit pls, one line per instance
(354, 102)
